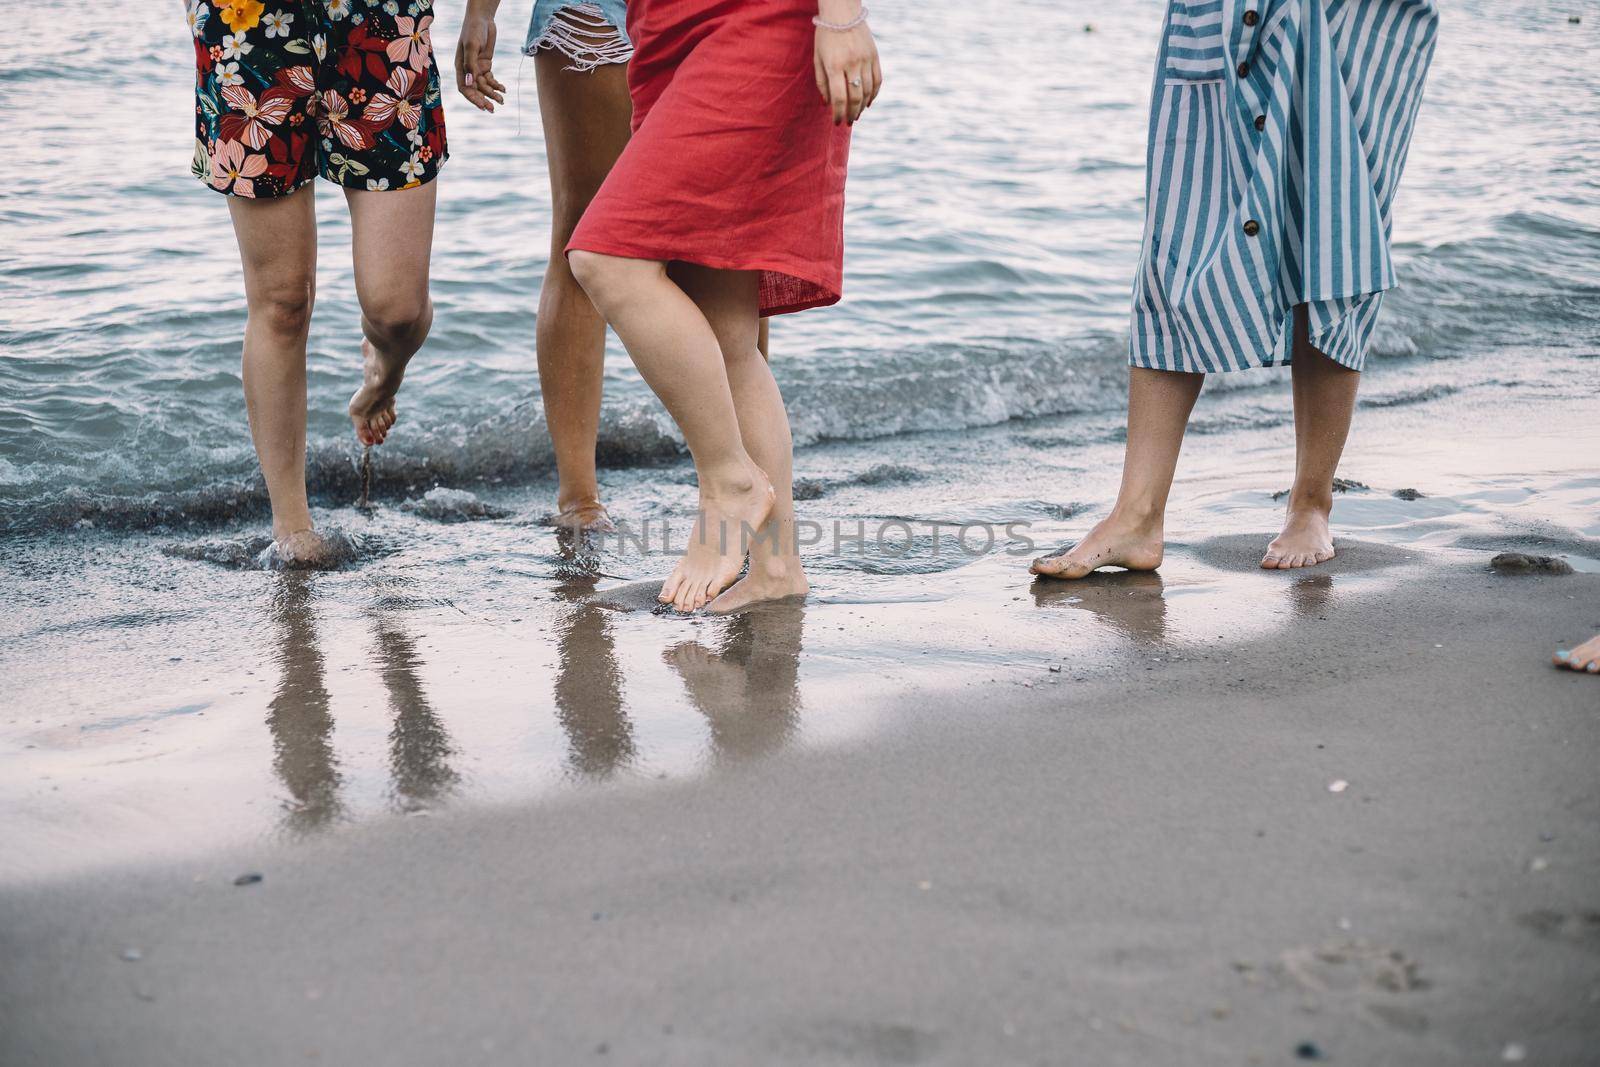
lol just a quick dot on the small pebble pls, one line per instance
(1338, 785)
(1308, 1050)
(250, 878)
(1538, 863)
(1513, 1053)
(132, 955)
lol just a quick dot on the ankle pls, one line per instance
(770, 566)
(1318, 501)
(732, 480)
(285, 530)
(1142, 517)
(585, 498)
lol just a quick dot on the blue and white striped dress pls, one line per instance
(1278, 132)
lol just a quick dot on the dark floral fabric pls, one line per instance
(286, 90)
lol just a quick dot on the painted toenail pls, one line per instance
(1562, 653)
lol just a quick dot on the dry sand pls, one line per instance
(1151, 865)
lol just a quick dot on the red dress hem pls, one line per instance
(626, 251)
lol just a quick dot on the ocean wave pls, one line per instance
(130, 463)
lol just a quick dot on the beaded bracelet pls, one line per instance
(818, 20)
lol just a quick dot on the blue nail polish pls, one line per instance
(1562, 653)
(1594, 668)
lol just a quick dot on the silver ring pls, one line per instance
(856, 82)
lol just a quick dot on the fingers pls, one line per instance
(466, 82)
(856, 94)
(838, 96)
(486, 84)
(484, 76)
(821, 74)
(876, 83)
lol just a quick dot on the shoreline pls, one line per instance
(1146, 860)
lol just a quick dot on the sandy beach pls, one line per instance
(1148, 867)
(937, 815)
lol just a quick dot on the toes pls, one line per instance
(1270, 562)
(669, 588)
(702, 596)
(1062, 566)
(684, 600)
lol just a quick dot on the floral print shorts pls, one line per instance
(289, 89)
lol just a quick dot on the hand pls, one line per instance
(475, 79)
(846, 63)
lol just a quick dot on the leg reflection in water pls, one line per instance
(1129, 603)
(589, 685)
(419, 746)
(301, 721)
(298, 716)
(748, 690)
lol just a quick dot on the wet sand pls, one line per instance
(1146, 865)
(503, 811)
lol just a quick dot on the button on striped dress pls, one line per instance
(1278, 132)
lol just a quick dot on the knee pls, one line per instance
(589, 268)
(602, 277)
(284, 309)
(398, 322)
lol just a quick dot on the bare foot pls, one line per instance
(1586, 657)
(1304, 542)
(303, 549)
(587, 516)
(1114, 542)
(718, 545)
(770, 582)
(372, 408)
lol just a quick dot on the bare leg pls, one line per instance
(393, 236)
(1586, 657)
(1324, 402)
(728, 301)
(678, 353)
(586, 121)
(1159, 403)
(278, 247)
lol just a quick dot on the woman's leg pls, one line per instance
(586, 120)
(1159, 403)
(1324, 402)
(392, 232)
(679, 355)
(728, 299)
(278, 247)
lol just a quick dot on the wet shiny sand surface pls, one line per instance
(162, 705)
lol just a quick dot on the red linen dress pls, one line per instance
(735, 162)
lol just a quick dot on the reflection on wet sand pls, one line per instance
(748, 689)
(1130, 603)
(301, 721)
(746, 686)
(588, 689)
(419, 746)
(1311, 595)
(299, 716)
